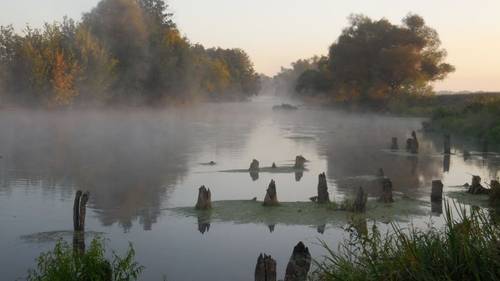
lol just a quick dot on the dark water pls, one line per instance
(139, 166)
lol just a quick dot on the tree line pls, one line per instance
(121, 52)
(372, 62)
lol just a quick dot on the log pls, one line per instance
(447, 144)
(323, 196)
(394, 144)
(300, 162)
(265, 270)
(386, 196)
(299, 264)
(204, 199)
(360, 201)
(254, 166)
(437, 191)
(271, 198)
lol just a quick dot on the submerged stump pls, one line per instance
(359, 205)
(323, 196)
(386, 196)
(447, 144)
(204, 199)
(299, 264)
(300, 162)
(265, 270)
(437, 191)
(476, 187)
(254, 166)
(394, 144)
(271, 198)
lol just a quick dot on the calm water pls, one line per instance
(140, 166)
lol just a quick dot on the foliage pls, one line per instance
(122, 51)
(373, 61)
(466, 249)
(62, 264)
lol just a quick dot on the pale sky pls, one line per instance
(277, 32)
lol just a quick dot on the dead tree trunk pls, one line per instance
(271, 198)
(360, 201)
(447, 144)
(437, 191)
(204, 199)
(386, 195)
(323, 196)
(300, 162)
(265, 270)
(299, 264)
(394, 144)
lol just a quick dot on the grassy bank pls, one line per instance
(468, 248)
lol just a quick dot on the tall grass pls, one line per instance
(467, 248)
(64, 264)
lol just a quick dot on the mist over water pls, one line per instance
(138, 165)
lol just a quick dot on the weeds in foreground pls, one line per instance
(64, 264)
(468, 248)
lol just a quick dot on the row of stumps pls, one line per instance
(296, 270)
(412, 144)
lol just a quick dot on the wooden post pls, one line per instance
(394, 144)
(265, 270)
(447, 144)
(386, 195)
(360, 201)
(300, 162)
(299, 264)
(76, 211)
(204, 199)
(271, 198)
(79, 212)
(254, 166)
(323, 196)
(437, 191)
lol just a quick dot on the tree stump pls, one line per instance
(447, 144)
(265, 270)
(437, 191)
(79, 210)
(298, 175)
(394, 144)
(321, 228)
(299, 264)
(386, 195)
(204, 199)
(300, 162)
(476, 187)
(254, 166)
(323, 196)
(271, 198)
(446, 163)
(412, 143)
(273, 166)
(359, 205)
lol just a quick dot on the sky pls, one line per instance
(277, 32)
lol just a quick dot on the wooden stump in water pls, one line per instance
(271, 198)
(323, 196)
(386, 195)
(447, 144)
(412, 143)
(254, 166)
(381, 173)
(437, 191)
(359, 205)
(476, 187)
(299, 264)
(265, 270)
(204, 199)
(79, 210)
(394, 144)
(273, 166)
(300, 162)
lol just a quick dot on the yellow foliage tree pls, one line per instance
(63, 81)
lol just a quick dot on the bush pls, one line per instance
(64, 264)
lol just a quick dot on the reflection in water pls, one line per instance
(446, 163)
(437, 207)
(298, 175)
(321, 228)
(204, 219)
(271, 227)
(254, 175)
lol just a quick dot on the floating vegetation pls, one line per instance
(302, 213)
